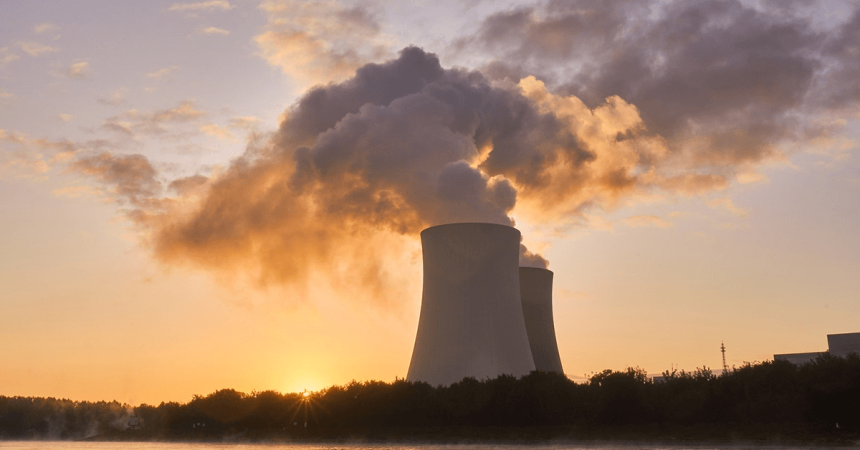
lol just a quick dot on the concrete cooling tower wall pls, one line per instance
(471, 322)
(536, 294)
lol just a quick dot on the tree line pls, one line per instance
(817, 400)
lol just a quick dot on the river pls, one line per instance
(64, 445)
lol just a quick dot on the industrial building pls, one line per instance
(843, 344)
(798, 358)
(536, 295)
(840, 345)
(471, 322)
(476, 319)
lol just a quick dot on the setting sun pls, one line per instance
(207, 195)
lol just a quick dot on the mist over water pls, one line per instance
(42, 445)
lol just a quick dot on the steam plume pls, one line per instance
(402, 146)
(362, 165)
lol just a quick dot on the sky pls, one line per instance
(201, 195)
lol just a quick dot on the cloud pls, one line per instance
(188, 185)
(316, 42)
(245, 122)
(574, 156)
(646, 221)
(35, 49)
(728, 205)
(77, 192)
(205, 6)
(722, 82)
(65, 117)
(218, 131)
(131, 178)
(43, 27)
(529, 259)
(133, 123)
(585, 107)
(837, 88)
(27, 157)
(161, 73)
(5, 96)
(79, 70)
(6, 57)
(750, 177)
(23, 164)
(214, 30)
(398, 147)
(117, 97)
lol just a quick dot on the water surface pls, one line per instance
(61, 445)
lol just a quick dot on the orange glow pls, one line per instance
(146, 256)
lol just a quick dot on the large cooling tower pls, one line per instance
(471, 322)
(536, 294)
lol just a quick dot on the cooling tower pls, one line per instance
(536, 294)
(471, 322)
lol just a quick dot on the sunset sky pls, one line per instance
(229, 193)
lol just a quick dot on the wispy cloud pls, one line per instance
(727, 204)
(23, 164)
(131, 178)
(218, 131)
(161, 73)
(28, 157)
(6, 57)
(33, 48)
(79, 70)
(133, 123)
(43, 27)
(207, 6)
(5, 96)
(117, 97)
(77, 191)
(215, 30)
(750, 177)
(244, 122)
(646, 221)
(316, 42)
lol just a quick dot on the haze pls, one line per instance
(228, 194)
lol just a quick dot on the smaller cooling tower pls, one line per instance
(471, 322)
(536, 294)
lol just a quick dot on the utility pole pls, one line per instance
(723, 349)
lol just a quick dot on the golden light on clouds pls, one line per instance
(79, 70)
(204, 6)
(215, 30)
(318, 42)
(35, 49)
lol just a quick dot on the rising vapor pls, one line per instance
(402, 146)
(683, 102)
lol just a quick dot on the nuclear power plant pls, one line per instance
(481, 314)
(536, 294)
